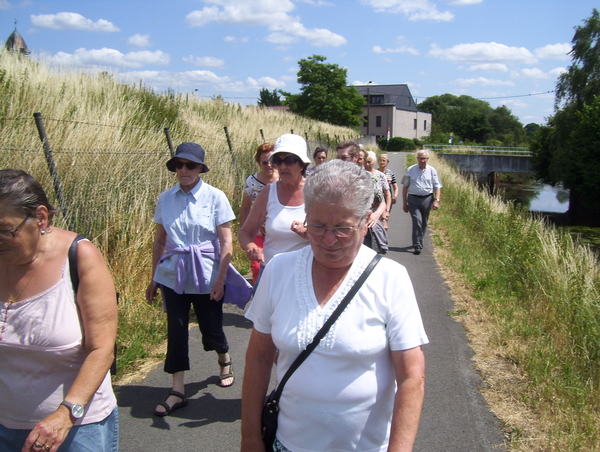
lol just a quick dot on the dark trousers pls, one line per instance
(419, 209)
(210, 319)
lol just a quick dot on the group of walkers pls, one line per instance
(312, 235)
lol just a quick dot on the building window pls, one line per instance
(377, 121)
(377, 99)
(366, 118)
(425, 125)
(415, 124)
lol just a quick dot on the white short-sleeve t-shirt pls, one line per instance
(343, 393)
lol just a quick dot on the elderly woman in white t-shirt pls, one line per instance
(362, 387)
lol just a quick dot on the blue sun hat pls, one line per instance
(189, 151)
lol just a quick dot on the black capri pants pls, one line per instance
(210, 320)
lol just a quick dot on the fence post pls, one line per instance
(262, 134)
(292, 131)
(235, 165)
(169, 142)
(52, 168)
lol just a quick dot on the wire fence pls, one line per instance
(94, 185)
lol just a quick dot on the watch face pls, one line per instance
(77, 411)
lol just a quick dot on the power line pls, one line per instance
(520, 95)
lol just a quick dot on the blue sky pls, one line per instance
(502, 51)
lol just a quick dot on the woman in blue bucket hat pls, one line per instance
(191, 266)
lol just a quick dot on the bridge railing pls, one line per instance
(485, 150)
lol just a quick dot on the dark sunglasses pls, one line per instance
(178, 164)
(289, 160)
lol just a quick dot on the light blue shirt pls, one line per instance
(191, 219)
(421, 182)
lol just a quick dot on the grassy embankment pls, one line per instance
(110, 151)
(528, 296)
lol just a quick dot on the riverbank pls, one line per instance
(527, 295)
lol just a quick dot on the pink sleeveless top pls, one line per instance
(41, 352)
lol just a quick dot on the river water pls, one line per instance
(537, 197)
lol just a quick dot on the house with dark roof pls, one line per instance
(391, 111)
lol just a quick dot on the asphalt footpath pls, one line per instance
(455, 417)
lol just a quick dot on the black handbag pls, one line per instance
(271, 408)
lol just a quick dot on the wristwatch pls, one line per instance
(76, 409)
(437, 199)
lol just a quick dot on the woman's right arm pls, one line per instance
(257, 373)
(158, 249)
(256, 218)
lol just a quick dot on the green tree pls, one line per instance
(324, 94)
(269, 98)
(566, 150)
(472, 120)
(531, 130)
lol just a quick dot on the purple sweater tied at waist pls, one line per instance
(237, 289)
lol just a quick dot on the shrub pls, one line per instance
(396, 144)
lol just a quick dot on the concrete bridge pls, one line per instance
(484, 162)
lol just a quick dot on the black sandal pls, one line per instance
(176, 406)
(227, 375)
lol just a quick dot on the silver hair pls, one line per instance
(423, 152)
(340, 183)
(372, 155)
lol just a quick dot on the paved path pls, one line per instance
(455, 417)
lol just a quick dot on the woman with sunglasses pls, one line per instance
(56, 346)
(254, 184)
(191, 266)
(280, 205)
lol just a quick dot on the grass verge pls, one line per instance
(528, 296)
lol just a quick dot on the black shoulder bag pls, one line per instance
(271, 408)
(74, 272)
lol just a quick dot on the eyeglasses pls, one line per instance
(265, 163)
(178, 164)
(343, 157)
(338, 231)
(9, 235)
(422, 158)
(288, 160)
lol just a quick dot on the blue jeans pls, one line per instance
(100, 436)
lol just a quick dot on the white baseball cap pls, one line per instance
(291, 143)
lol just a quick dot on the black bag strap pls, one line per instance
(73, 269)
(325, 328)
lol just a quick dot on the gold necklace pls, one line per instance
(12, 300)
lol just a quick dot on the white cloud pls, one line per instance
(483, 52)
(166, 78)
(72, 21)
(553, 52)
(208, 61)
(272, 14)
(531, 73)
(264, 82)
(489, 67)
(234, 39)
(111, 57)
(413, 9)
(5, 5)
(557, 71)
(399, 49)
(139, 40)
(464, 2)
(483, 82)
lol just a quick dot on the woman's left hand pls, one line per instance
(373, 219)
(49, 433)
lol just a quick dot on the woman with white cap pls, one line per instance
(191, 266)
(279, 206)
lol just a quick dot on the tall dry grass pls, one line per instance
(110, 150)
(539, 291)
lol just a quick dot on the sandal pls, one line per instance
(227, 375)
(176, 406)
